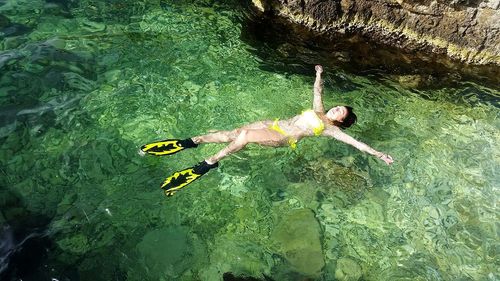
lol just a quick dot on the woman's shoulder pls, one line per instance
(330, 129)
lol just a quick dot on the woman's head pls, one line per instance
(342, 116)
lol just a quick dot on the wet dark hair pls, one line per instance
(349, 120)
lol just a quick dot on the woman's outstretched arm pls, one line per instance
(343, 137)
(318, 89)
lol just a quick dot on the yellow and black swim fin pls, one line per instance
(167, 147)
(182, 178)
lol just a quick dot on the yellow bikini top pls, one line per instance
(314, 122)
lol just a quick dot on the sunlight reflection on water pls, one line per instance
(130, 76)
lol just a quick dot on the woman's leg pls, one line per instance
(264, 136)
(229, 136)
(216, 137)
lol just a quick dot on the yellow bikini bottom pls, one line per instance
(291, 140)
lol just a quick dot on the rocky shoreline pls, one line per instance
(463, 36)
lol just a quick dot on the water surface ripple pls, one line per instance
(84, 83)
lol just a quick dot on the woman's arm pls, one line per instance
(343, 137)
(318, 88)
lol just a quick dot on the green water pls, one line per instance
(85, 83)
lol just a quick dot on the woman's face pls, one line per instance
(338, 113)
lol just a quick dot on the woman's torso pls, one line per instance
(309, 123)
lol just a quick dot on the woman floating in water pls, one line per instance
(313, 122)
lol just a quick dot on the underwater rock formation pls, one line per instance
(166, 252)
(347, 270)
(464, 30)
(297, 238)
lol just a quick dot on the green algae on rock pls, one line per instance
(297, 238)
(347, 270)
(166, 252)
(150, 70)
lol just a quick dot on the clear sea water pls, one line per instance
(84, 83)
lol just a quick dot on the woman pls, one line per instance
(310, 123)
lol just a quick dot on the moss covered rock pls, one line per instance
(297, 238)
(166, 252)
(347, 270)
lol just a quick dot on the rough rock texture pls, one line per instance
(297, 238)
(465, 30)
(347, 270)
(166, 252)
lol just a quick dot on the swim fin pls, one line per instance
(182, 178)
(167, 147)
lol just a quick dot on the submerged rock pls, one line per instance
(297, 238)
(166, 252)
(327, 177)
(228, 276)
(243, 258)
(347, 270)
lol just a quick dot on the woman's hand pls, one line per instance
(387, 159)
(319, 69)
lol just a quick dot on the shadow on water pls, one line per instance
(60, 7)
(35, 68)
(24, 242)
(9, 29)
(33, 81)
(228, 276)
(466, 93)
(50, 235)
(22, 253)
(286, 47)
(90, 244)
